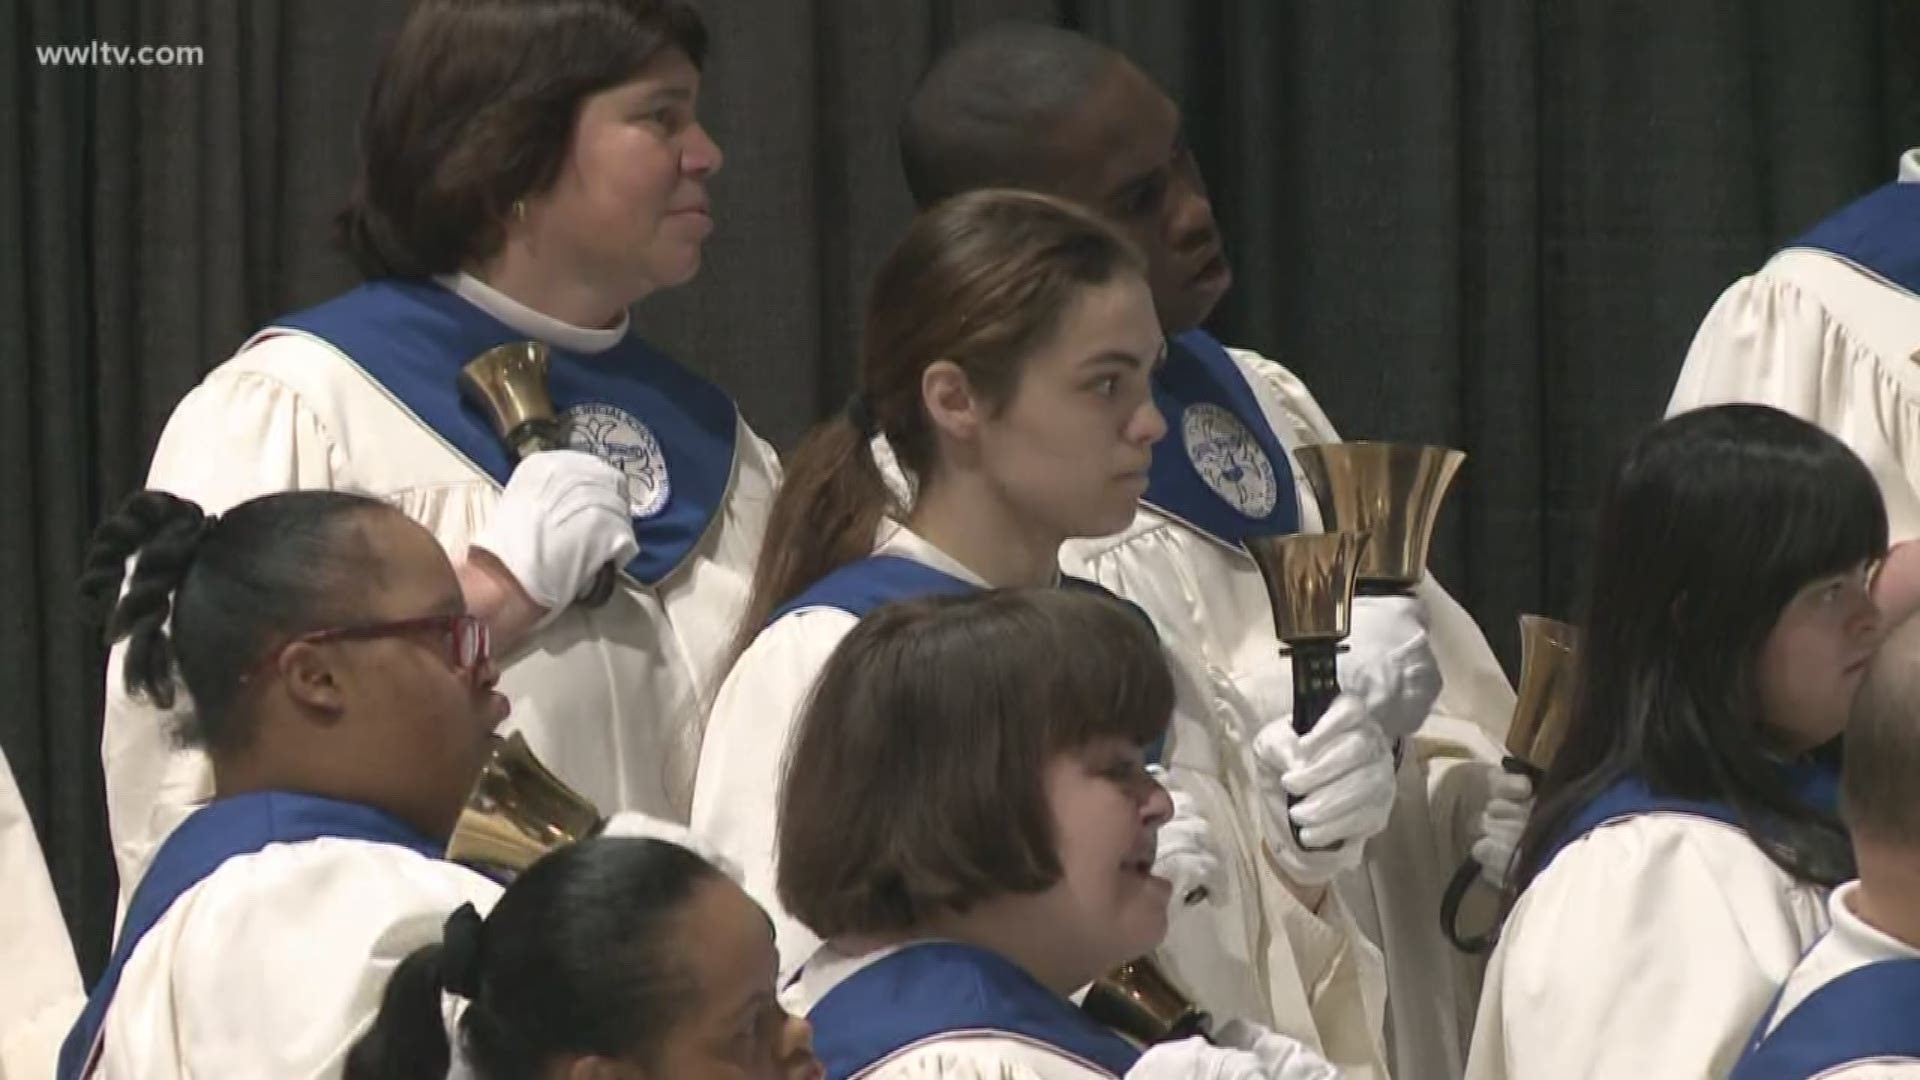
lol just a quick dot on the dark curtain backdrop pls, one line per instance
(1488, 224)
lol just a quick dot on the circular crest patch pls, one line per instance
(619, 438)
(1228, 458)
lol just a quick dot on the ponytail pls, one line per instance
(408, 1038)
(166, 532)
(826, 515)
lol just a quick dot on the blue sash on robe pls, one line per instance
(413, 338)
(1879, 232)
(224, 829)
(865, 584)
(1870, 1012)
(1817, 785)
(1199, 373)
(939, 988)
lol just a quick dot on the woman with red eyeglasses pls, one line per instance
(345, 698)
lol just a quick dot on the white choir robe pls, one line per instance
(1210, 604)
(40, 992)
(1317, 979)
(613, 698)
(1816, 336)
(1648, 949)
(274, 964)
(979, 1051)
(1848, 947)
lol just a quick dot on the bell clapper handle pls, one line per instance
(1466, 874)
(1316, 682)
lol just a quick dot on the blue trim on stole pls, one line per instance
(1199, 371)
(224, 829)
(1870, 1012)
(413, 337)
(1817, 785)
(1879, 231)
(935, 988)
(865, 584)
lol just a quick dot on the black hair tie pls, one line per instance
(860, 416)
(460, 952)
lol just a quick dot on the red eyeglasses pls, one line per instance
(466, 639)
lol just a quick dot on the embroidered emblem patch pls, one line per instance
(619, 438)
(1229, 459)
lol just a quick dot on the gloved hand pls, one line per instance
(1197, 1059)
(634, 825)
(1390, 664)
(563, 515)
(1502, 821)
(1281, 1058)
(1184, 854)
(1343, 773)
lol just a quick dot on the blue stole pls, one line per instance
(669, 430)
(223, 829)
(1817, 785)
(865, 584)
(1201, 377)
(1870, 1012)
(1879, 232)
(940, 988)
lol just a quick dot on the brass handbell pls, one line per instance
(509, 384)
(1310, 580)
(518, 811)
(1548, 652)
(1392, 492)
(1140, 1003)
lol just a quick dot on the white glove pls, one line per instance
(564, 515)
(1389, 663)
(1502, 821)
(1342, 771)
(634, 825)
(1197, 1059)
(1281, 1058)
(1184, 854)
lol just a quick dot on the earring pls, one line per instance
(520, 210)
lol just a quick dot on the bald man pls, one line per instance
(1851, 1008)
(1043, 109)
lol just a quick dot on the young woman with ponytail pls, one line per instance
(345, 698)
(614, 958)
(1006, 366)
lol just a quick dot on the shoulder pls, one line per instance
(981, 1056)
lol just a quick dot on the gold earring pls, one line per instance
(520, 210)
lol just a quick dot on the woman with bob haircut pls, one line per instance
(969, 822)
(528, 170)
(1676, 864)
(615, 957)
(1007, 363)
(346, 700)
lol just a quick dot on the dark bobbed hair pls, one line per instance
(1714, 521)
(916, 780)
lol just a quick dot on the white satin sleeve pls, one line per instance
(1816, 337)
(40, 994)
(736, 790)
(1649, 948)
(275, 964)
(1905, 1069)
(238, 435)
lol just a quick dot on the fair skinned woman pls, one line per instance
(529, 170)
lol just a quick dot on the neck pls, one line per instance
(958, 515)
(1007, 927)
(556, 291)
(1889, 879)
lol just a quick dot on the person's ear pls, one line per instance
(313, 677)
(952, 405)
